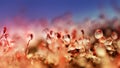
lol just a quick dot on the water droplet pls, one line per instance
(98, 34)
(114, 35)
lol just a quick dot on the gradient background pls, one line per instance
(36, 9)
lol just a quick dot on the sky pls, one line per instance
(36, 9)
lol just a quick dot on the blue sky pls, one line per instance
(36, 9)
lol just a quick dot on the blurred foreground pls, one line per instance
(64, 44)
